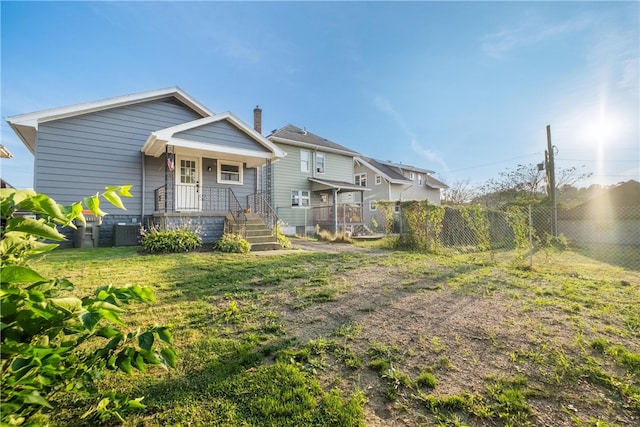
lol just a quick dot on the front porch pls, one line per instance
(211, 211)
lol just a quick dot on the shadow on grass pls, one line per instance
(626, 256)
(226, 275)
(227, 383)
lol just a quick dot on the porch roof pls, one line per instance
(325, 184)
(158, 140)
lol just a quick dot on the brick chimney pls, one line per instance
(257, 119)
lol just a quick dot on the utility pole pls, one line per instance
(551, 181)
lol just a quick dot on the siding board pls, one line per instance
(78, 156)
(222, 133)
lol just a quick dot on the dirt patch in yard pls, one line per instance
(469, 337)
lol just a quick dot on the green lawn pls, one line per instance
(375, 337)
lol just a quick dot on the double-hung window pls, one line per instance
(419, 179)
(361, 179)
(229, 172)
(300, 199)
(378, 179)
(320, 162)
(304, 160)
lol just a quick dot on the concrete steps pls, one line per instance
(258, 234)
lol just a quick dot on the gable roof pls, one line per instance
(434, 183)
(393, 172)
(293, 135)
(390, 174)
(26, 125)
(154, 146)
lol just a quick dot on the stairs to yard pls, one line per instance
(258, 234)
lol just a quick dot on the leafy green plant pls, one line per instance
(427, 379)
(283, 239)
(156, 241)
(559, 242)
(233, 243)
(478, 221)
(53, 341)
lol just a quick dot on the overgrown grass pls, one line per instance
(254, 350)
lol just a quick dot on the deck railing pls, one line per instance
(347, 213)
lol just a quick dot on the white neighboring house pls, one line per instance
(395, 182)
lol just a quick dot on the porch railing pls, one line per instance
(185, 198)
(259, 205)
(237, 212)
(192, 198)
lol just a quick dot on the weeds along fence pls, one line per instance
(611, 234)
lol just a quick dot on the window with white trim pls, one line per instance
(419, 179)
(412, 176)
(320, 162)
(304, 160)
(372, 205)
(300, 199)
(361, 179)
(378, 179)
(229, 172)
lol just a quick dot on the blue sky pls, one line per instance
(462, 88)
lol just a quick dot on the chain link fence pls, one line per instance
(607, 234)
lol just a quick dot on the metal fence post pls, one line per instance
(530, 238)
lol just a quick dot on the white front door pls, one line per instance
(188, 184)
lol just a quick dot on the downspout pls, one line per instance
(144, 188)
(335, 210)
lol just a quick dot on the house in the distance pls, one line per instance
(393, 182)
(189, 167)
(313, 185)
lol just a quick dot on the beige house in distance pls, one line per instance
(395, 182)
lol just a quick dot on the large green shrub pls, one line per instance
(233, 243)
(170, 241)
(53, 341)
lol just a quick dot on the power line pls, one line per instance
(596, 160)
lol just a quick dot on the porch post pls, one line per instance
(166, 176)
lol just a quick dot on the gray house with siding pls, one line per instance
(189, 167)
(313, 185)
(393, 182)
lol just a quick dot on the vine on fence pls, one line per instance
(519, 223)
(478, 221)
(414, 220)
(436, 220)
(387, 207)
